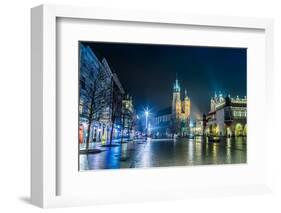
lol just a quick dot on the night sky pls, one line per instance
(147, 72)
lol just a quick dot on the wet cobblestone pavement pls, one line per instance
(164, 153)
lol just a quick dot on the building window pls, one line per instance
(81, 106)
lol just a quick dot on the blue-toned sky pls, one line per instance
(147, 72)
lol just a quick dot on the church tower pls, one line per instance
(176, 104)
(186, 106)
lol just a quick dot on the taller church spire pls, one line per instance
(176, 85)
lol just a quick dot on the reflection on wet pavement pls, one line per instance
(166, 152)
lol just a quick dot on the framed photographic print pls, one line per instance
(151, 106)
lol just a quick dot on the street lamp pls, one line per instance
(146, 117)
(146, 112)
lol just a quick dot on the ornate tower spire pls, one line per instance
(176, 85)
(176, 102)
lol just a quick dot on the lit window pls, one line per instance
(81, 106)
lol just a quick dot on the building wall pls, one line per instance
(89, 71)
(220, 121)
(99, 88)
(227, 117)
(128, 117)
(162, 125)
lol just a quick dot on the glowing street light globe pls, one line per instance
(146, 112)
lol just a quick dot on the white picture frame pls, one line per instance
(44, 155)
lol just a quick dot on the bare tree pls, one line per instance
(127, 119)
(116, 107)
(94, 96)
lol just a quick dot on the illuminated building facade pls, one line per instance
(180, 111)
(227, 116)
(196, 128)
(174, 120)
(163, 123)
(128, 117)
(100, 98)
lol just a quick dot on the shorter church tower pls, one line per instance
(186, 106)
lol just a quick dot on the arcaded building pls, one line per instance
(227, 116)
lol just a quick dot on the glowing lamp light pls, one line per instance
(146, 112)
